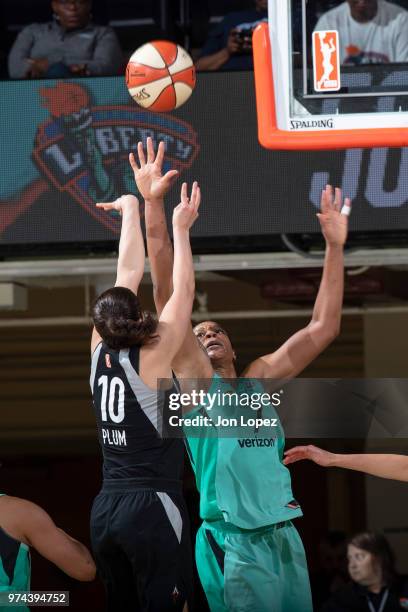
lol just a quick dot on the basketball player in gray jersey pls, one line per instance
(139, 523)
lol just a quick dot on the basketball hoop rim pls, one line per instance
(271, 137)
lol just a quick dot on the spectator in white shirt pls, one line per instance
(370, 31)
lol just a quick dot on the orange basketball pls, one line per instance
(160, 76)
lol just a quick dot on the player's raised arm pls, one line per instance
(394, 467)
(304, 346)
(131, 256)
(153, 187)
(175, 317)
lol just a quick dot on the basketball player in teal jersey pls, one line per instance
(249, 555)
(24, 525)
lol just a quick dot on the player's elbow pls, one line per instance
(86, 572)
(324, 333)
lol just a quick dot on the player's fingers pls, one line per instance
(296, 455)
(329, 190)
(107, 205)
(193, 193)
(150, 150)
(294, 451)
(337, 199)
(346, 209)
(324, 202)
(170, 176)
(198, 200)
(183, 194)
(140, 152)
(160, 153)
(133, 163)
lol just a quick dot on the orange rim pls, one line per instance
(271, 137)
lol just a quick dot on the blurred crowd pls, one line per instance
(63, 38)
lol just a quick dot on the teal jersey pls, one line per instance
(240, 474)
(15, 566)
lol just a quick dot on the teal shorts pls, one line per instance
(262, 570)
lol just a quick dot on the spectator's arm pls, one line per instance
(20, 53)
(108, 57)
(216, 52)
(214, 61)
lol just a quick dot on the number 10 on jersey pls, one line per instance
(113, 393)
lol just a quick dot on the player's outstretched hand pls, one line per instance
(318, 455)
(149, 179)
(186, 212)
(124, 202)
(334, 215)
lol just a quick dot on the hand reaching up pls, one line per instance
(186, 212)
(149, 178)
(333, 216)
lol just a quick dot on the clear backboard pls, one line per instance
(327, 78)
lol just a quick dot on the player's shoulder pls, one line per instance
(22, 510)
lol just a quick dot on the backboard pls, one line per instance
(317, 89)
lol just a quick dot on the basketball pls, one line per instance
(160, 76)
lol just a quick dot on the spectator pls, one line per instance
(370, 31)
(375, 585)
(230, 44)
(70, 45)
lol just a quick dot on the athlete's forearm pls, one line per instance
(329, 300)
(131, 258)
(160, 252)
(82, 566)
(394, 467)
(183, 268)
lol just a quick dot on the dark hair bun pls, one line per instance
(120, 322)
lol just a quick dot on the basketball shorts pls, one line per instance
(140, 538)
(262, 570)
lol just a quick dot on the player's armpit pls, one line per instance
(192, 360)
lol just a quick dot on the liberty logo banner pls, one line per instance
(326, 60)
(83, 149)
